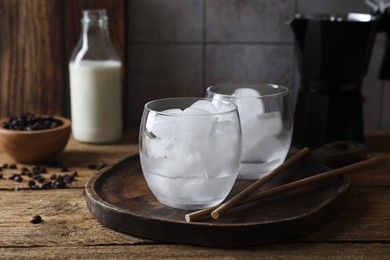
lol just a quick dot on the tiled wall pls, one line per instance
(179, 47)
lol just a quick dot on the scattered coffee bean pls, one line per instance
(24, 171)
(18, 178)
(55, 181)
(12, 176)
(31, 122)
(45, 185)
(36, 176)
(38, 169)
(41, 180)
(36, 219)
(60, 184)
(98, 166)
(31, 183)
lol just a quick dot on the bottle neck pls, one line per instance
(93, 32)
(95, 26)
(95, 42)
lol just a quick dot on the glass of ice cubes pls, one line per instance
(190, 150)
(266, 121)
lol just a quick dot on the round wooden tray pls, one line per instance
(120, 199)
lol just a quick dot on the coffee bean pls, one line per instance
(98, 166)
(31, 122)
(36, 176)
(45, 185)
(41, 180)
(59, 184)
(31, 183)
(18, 178)
(38, 169)
(13, 176)
(36, 219)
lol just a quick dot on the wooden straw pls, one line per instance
(292, 185)
(314, 178)
(254, 186)
(245, 193)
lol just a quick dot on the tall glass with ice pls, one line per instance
(190, 150)
(266, 121)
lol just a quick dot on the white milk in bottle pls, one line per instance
(95, 83)
(95, 104)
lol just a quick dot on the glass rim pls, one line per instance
(284, 90)
(233, 109)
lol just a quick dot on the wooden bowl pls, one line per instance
(35, 146)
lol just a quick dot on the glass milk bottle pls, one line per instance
(95, 83)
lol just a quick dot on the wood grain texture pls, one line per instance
(308, 251)
(120, 198)
(67, 221)
(76, 157)
(359, 231)
(31, 57)
(37, 38)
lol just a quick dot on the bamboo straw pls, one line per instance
(253, 186)
(289, 186)
(308, 180)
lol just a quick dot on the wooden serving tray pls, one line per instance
(120, 199)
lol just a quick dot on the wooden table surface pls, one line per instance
(360, 230)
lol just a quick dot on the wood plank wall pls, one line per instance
(36, 40)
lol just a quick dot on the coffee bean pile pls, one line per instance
(36, 178)
(31, 122)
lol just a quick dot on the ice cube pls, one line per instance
(188, 156)
(246, 92)
(156, 148)
(249, 103)
(196, 124)
(220, 106)
(226, 148)
(205, 105)
(260, 136)
(263, 151)
(161, 125)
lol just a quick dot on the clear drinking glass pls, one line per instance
(266, 121)
(190, 150)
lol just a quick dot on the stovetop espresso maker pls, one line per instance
(333, 54)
